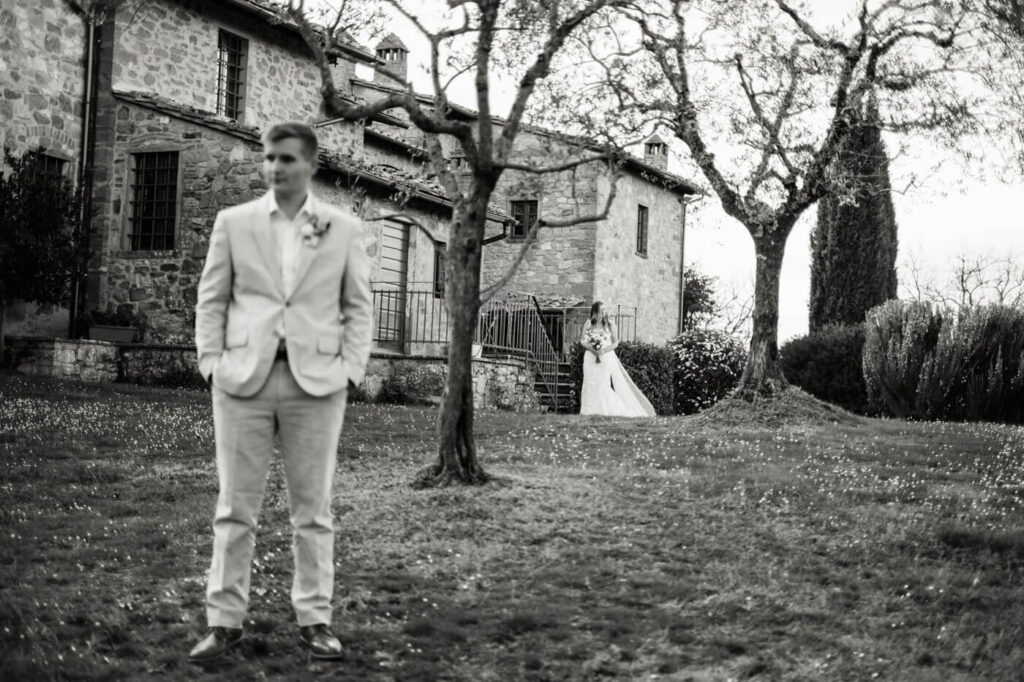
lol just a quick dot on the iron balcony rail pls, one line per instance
(411, 318)
(415, 313)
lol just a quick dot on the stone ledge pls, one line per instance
(498, 383)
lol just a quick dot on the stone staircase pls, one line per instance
(560, 402)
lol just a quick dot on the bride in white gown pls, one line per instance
(607, 388)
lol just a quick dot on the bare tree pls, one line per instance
(972, 279)
(468, 43)
(733, 310)
(764, 99)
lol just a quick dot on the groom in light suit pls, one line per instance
(282, 329)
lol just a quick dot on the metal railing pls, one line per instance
(511, 323)
(412, 319)
(414, 313)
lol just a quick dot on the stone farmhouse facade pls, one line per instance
(159, 109)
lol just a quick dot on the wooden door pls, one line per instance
(391, 296)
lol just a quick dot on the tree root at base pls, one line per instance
(437, 476)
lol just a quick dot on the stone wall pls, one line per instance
(560, 263)
(216, 169)
(42, 71)
(497, 384)
(169, 49)
(503, 384)
(623, 277)
(82, 360)
(159, 365)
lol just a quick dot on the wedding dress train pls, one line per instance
(608, 390)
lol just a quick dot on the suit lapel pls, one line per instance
(307, 254)
(266, 243)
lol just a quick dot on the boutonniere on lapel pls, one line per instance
(314, 230)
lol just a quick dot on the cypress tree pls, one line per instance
(853, 245)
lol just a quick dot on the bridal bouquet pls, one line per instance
(596, 340)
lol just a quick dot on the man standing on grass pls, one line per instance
(282, 330)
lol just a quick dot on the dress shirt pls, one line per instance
(289, 240)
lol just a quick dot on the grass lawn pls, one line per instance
(680, 548)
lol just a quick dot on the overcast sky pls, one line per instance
(950, 209)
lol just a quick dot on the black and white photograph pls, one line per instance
(493, 340)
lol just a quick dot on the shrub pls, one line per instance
(40, 241)
(898, 338)
(413, 385)
(357, 394)
(977, 370)
(708, 364)
(576, 353)
(649, 366)
(968, 366)
(828, 364)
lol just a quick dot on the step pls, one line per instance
(563, 389)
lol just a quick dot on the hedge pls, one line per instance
(828, 364)
(925, 363)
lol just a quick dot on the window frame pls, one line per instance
(45, 159)
(655, 149)
(642, 230)
(222, 90)
(131, 202)
(440, 261)
(524, 225)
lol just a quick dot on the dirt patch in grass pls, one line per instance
(793, 547)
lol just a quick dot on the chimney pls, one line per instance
(395, 54)
(656, 152)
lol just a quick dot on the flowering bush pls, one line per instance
(708, 365)
(827, 364)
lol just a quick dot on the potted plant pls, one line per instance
(119, 326)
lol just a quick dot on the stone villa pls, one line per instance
(159, 111)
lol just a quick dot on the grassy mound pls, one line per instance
(791, 407)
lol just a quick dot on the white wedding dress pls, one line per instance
(607, 388)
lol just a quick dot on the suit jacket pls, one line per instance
(241, 300)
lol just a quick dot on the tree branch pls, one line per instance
(541, 170)
(557, 34)
(531, 235)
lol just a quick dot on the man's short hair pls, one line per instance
(303, 132)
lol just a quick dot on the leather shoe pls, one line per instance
(321, 641)
(215, 644)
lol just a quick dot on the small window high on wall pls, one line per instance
(231, 62)
(525, 214)
(641, 230)
(440, 250)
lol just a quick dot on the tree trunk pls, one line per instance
(3, 330)
(762, 375)
(457, 461)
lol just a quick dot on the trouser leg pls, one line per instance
(244, 433)
(310, 428)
